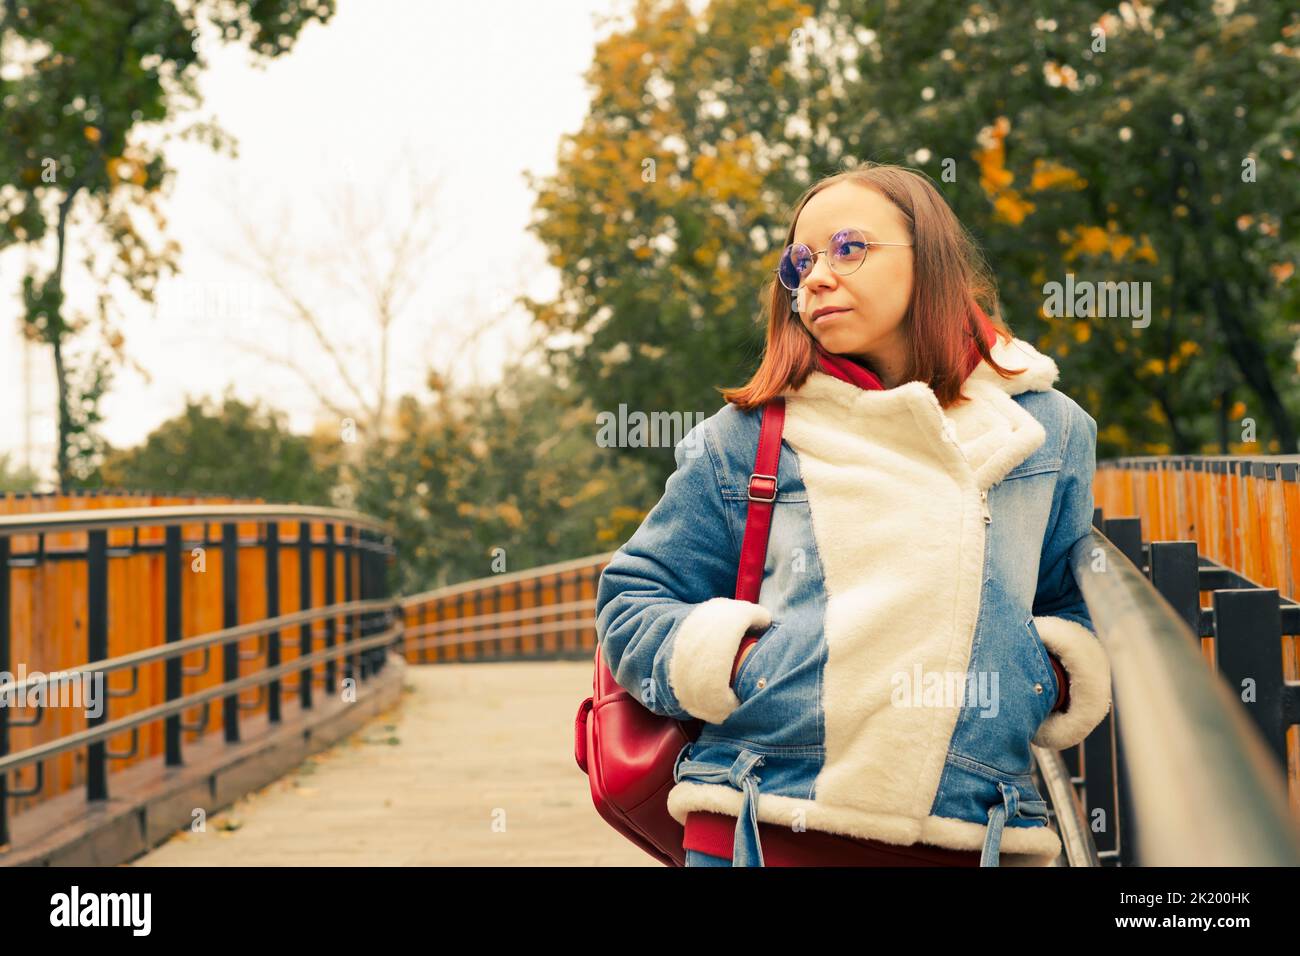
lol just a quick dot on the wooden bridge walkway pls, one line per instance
(475, 768)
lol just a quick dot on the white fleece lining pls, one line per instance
(1088, 671)
(894, 484)
(1039, 842)
(704, 649)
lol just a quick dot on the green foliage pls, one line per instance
(501, 479)
(1124, 165)
(229, 449)
(85, 80)
(1113, 147)
(16, 478)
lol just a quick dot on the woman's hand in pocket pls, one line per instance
(749, 649)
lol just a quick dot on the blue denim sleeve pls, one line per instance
(1058, 592)
(1060, 614)
(667, 627)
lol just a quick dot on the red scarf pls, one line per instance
(849, 370)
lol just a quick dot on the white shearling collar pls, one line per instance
(1040, 373)
(981, 439)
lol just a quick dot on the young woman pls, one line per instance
(920, 622)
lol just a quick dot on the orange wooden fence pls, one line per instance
(543, 612)
(49, 619)
(1242, 512)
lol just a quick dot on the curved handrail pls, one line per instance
(1071, 818)
(1181, 726)
(99, 519)
(112, 728)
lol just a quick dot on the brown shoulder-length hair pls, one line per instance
(950, 280)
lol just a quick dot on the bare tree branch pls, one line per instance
(310, 380)
(366, 260)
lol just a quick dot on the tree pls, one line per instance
(499, 478)
(348, 290)
(668, 205)
(20, 478)
(665, 209)
(230, 449)
(1145, 146)
(85, 81)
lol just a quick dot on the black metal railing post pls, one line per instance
(230, 618)
(331, 622)
(386, 590)
(97, 650)
(1127, 817)
(272, 554)
(304, 603)
(173, 584)
(1176, 575)
(367, 617)
(1099, 787)
(1248, 651)
(349, 595)
(1126, 535)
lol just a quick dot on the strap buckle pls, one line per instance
(754, 477)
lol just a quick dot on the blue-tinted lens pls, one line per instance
(848, 249)
(795, 263)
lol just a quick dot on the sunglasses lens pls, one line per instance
(847, 250)
(794, 265)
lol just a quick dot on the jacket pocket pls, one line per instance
(1046, 674)
(740, 686)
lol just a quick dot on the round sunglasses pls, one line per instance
(846, 253)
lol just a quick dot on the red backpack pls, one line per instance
(628, 752)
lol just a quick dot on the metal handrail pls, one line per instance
(496, 580)
(1181, 726)
(1071, 818)
(100, 519)
(457, 624)
(500, 634)
(202, 641)
(111, 728)
(1246, 459)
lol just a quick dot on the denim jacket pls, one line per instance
(917, 573)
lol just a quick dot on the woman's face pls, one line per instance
(874, 297)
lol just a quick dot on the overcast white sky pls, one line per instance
(475, 94)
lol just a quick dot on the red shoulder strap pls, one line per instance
(762, 492)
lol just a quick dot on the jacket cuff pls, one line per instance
(1088, 673)
(704, 650)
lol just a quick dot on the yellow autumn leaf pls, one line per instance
(993, 178)
(1009, 207)
(1145, 251)
(1092, 240)
(510, 514)
(1051, 175)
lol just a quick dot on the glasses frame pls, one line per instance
(868, 243)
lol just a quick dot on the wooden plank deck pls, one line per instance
(475, 768)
